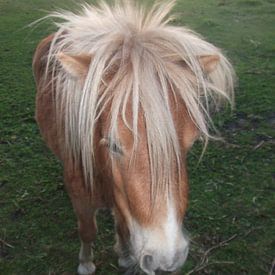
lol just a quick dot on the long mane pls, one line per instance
(146, 55)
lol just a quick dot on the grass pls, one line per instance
(232, 191)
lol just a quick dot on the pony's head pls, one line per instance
(136, 93)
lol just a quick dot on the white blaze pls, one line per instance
(165, 243)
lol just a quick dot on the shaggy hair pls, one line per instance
(148, 59)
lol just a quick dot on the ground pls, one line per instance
(232, 190)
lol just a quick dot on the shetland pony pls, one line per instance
(121, 97)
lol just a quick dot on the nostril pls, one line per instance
(147, 263)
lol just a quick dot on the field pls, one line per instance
(231, 217)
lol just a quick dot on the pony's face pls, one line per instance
(149, 228)
(149, 221)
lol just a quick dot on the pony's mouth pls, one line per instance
(161, 272)
(135, 269)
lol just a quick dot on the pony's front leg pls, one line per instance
(121, 246)
(86, 265)
(85, 212)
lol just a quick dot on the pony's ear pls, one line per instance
(209, 62)
(75, 65)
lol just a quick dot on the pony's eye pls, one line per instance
(112, 146)
(115, 148)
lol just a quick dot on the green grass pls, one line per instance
(232, 191)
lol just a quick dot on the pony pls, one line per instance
(122, 94)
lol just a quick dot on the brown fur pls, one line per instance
(112, 188)
(121, 97)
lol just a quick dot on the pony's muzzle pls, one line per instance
(151, 264)
(148, 264)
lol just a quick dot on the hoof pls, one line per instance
(87, 268)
